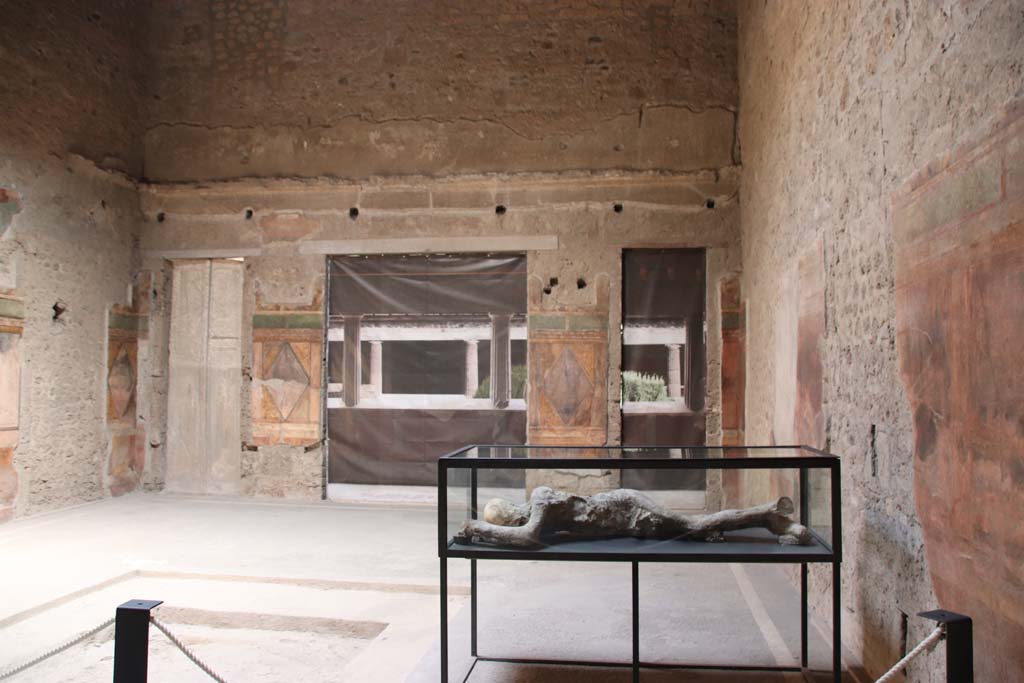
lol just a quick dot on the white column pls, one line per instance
(675, 383)
(472, 368)
(352, 370)
(376, 370)
(501, 359)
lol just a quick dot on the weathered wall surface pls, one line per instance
(841, 103)
(425, 116)
(959, 233)
(72, 80)
(292, 219)
(308, 88)
(72, 247)
(69, 98)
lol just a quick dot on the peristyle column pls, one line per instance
(501, 359)
(675, 381)
(472, 367)
(376, 369)
(352, 370)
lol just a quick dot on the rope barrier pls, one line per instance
(55, 651)
(924, 646)
(187, 652)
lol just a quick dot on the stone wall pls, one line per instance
(284, 228)
(73, 80)
(841, 103)
(71, 253)
(245, 88)
(68, 230)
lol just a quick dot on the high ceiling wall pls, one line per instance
(353, 89)
(424, 116)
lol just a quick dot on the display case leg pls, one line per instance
(473, 512)
(803, 615)
(472, 607)
(837, 627)
(444, 619)
(636, 622)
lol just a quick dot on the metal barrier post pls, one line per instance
(131, 641)
(959, 644)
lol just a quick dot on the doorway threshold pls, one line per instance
(382, 494)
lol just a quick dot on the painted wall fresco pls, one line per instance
(567, 389)
(12, 313)
(568, 357)
(733, 381)
(959, 233)
(733, 361)
(126, 326)
(287, 351)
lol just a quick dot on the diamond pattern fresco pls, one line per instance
(120, 384)
(567, 386)
(287, 367)
(286, 381)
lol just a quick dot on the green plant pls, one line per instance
(638, 386)
(518, 384)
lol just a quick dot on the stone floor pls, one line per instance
(267, 591)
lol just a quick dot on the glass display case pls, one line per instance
(778, 504)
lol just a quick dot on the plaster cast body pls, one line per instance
(556, 515)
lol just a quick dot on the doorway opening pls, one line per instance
(663, 359)
(426, 354)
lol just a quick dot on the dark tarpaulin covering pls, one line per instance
(428, 285)
(381, 444)
(665, 287)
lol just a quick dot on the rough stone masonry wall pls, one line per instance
(841, 103)
(68, 227)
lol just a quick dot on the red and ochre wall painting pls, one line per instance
(567, 403)
(12, 314)
(287, 351)
(126, 327)
(959, 247)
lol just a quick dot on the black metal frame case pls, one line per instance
(754, 548)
